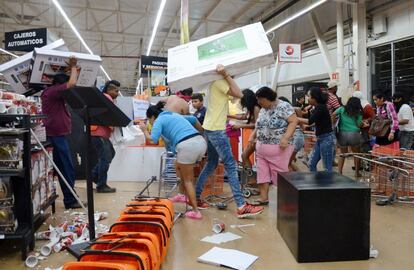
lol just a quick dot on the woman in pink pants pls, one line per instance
(274, 132)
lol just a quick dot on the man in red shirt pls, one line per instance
(58, 124)
(102, 144)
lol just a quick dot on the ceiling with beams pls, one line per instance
(119, 30)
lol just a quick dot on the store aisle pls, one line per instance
(391, 234)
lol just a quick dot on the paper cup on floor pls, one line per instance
(31, 261)
(218, 227)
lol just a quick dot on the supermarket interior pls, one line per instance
(206, 134)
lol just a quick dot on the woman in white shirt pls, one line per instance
(405, 121)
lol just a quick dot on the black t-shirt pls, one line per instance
(322, 119)
(200, 114)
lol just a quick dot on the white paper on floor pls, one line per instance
(228, 257)
(221, 238)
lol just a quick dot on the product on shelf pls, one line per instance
(51, 185)
(10, 153)
(40, 131)
(6, 194)
(35, 168)
(36, 199)
(8, 223)
(43, 192)
(42, 165)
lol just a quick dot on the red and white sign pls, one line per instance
(290, 53)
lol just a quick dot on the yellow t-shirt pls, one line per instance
(218, 106)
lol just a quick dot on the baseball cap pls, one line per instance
(332, 84)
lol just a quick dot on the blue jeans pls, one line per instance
(63, 160)
(106, 153)
(323, 149)
(219, 147)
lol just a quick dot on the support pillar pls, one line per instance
(343, 73)
(359, 47)
(276, 74)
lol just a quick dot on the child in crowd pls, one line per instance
(197, 102)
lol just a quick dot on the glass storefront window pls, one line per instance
(404, 66)
(381, 71)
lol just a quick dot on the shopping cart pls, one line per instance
(389, 173)
(167, 177)
(245, 176)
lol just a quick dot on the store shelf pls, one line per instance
(12, 131)
(12, 172)
(22, 231)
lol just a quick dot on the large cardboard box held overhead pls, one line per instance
(239, 50)
(48, 63)
(17, 71)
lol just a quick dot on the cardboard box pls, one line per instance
(48, 63)
(17, 71)
(239, 50)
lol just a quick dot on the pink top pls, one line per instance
(387, 111)
(58, 121)
(102, 131)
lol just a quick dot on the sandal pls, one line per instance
(260, 203)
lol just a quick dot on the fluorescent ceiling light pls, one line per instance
(9, 53)
(157, 22)
(296, 15)
(63, 13)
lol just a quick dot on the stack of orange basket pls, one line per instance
(138, 240)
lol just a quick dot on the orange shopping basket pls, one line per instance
(144, 248)
(150, 210)
(157, 229)
(139, 260)
(116, 237)
(152, 201)
(125, 265)
(154, 217)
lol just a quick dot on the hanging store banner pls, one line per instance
(290, 53)
(26, 40)
(152, 63)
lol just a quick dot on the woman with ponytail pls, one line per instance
(183, 132)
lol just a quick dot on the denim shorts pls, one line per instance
(349, 139)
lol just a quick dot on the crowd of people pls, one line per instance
(276, 134)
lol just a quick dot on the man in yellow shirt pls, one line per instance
(218, 142)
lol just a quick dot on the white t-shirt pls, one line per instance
(406, 113)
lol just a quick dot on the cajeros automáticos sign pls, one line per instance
(25, 40)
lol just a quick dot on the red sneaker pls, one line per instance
(249, 210)
(202, 205)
